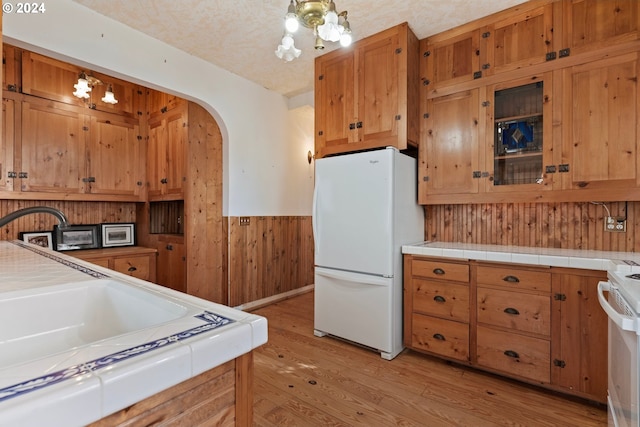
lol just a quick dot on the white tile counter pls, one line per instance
(78, 374)
(571, 258)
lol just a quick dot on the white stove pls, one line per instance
(622, 307)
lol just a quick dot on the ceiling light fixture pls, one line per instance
(322, 18)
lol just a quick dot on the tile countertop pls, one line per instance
(86, 382)
(572, 258)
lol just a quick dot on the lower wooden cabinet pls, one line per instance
(172, 270)
(542, 325)
(135, 261)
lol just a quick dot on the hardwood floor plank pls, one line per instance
(303, 380)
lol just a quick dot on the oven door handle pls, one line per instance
(624, 322)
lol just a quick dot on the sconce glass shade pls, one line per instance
(330, 30)
(287, 50)
(345, 38)
(82, 88)
(109, 98)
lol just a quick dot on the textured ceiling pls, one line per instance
(241, 35)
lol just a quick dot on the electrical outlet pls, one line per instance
(615, 224)
(245, 220)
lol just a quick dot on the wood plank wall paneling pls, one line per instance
(76, 213)
(545, 225)
(271, 255)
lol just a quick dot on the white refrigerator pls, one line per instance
(364, 209)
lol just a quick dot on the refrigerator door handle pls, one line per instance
(349, 276)
(314, 214)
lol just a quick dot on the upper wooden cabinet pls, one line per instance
(450, 59)
(594, 24)
(367, 97)
(168, 134)
(600, 134)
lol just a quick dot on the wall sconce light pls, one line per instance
(108, 97)
(86, 83)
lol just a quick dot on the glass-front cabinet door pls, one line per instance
(519, 136)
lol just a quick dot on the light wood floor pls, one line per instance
(303, 380)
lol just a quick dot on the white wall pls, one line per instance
(265, 170)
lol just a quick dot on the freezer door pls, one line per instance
(353, 212)
(358, 308)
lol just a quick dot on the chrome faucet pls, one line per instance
(36, 209)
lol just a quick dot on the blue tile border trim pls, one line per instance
(46, 254)
(212, 321)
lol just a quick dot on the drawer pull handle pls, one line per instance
(510, 310)
(438, 298)
(132, 269)
(439, 337)
(511, 353)
(438, 271)
(511, 279)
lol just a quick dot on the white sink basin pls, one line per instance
(59, 318)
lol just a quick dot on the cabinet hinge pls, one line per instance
(398, 117)
(425, 116)
(563, 53)
(139, 92)
(486, 66)
(485, 174)
(559, 363)
(139, 137)
(139, 183)
(359, 125)
(164, 109)
(486, 35)
(139, 113)
(12, 88)
(427, 53)
(426, 82)
(85, 128)
(485, 103)
(321, 77)
(477, 74)
(477, 174)
(398, 51)
(560, 297)
(550, 169)
(23, 175)
(564, 167)
(89, 179)
(12, 174)
(320, 133)
(550, 56)
(352, 126)
(425, 178)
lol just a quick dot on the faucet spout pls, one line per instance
(62, 219)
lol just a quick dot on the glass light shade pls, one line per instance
(108, 97)
(82, 88)
(291, 23)
(330, 30)
(287, 50)
(346, 38)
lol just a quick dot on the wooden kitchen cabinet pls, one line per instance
(599, 132)
(579, 344)
(593, 24)
(542, 325)
(367, 97)
(135, 261)
(172, 262)
(168, 134)
(436, 300)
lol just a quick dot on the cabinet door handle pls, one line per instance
(511, 279)
(510, 310)
(439, 298)
(131, 269)
(439, 337)
(511, 353)
(169, 247)
(163, 181)
(438, 271)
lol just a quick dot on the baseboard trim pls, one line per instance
(254, 305)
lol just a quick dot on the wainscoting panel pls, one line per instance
(546, 225)
(269, 256)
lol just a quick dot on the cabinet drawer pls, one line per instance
(442, 299)
(440, 270)
(514, 354)
(514, 278)
(515, 310)
(444, 337)
(133, 266)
